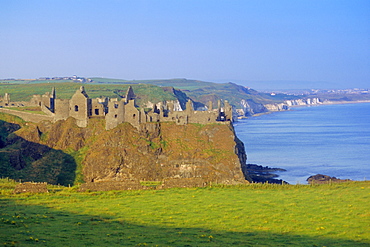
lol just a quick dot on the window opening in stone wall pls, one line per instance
(134, 116)
(96, 111)
(76, 107)
(115, 116)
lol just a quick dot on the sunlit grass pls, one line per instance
(30, 109)
(65, 90)
(270, 215)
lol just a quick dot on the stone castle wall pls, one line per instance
(114, 111)
(61, 109)
(29, 117)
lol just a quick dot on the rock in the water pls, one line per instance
(262, 174)
(324, 179)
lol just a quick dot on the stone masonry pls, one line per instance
(115, 111)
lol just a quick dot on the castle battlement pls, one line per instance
(116, 111)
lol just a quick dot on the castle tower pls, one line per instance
(52, 100)
(7, 99)
(130, 94)
(53, 94)
(228, 111)
(219, 113)
(80, 107)
(189, 107)
(210, 106)
(132, 114)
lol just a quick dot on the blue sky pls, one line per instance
(257, 43)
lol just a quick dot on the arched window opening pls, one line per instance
(133, 116)
(76, 107)
(96, 111)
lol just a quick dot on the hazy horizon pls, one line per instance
(262, 44)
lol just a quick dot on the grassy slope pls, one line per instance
(249, 215)
(199, 90)
(65, 90)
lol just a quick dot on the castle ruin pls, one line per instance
(116, 111)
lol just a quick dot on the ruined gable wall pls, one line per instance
(80, 108)
(132, 114)
(115, 115)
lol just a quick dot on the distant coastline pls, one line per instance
(334, 103)
(329, 140)
(297, 106)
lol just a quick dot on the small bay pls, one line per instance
(332, 140)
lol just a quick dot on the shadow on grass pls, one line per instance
(24, 160)
(22, 224)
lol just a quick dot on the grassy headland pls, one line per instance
(65, 90)
(146, 90)
(244, 215)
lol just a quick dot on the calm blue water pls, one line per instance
(330, 139)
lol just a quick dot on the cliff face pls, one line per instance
(296, 102)
(249, 108)
(156, 152)
(22, 156)
(303, 102)
(164, 151)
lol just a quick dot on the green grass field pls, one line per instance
(144, 92)
(247, 215)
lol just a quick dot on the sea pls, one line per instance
(333, 140)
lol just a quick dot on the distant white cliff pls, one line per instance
(291, 103)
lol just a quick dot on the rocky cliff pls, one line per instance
(64, 153)
(291, 103)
